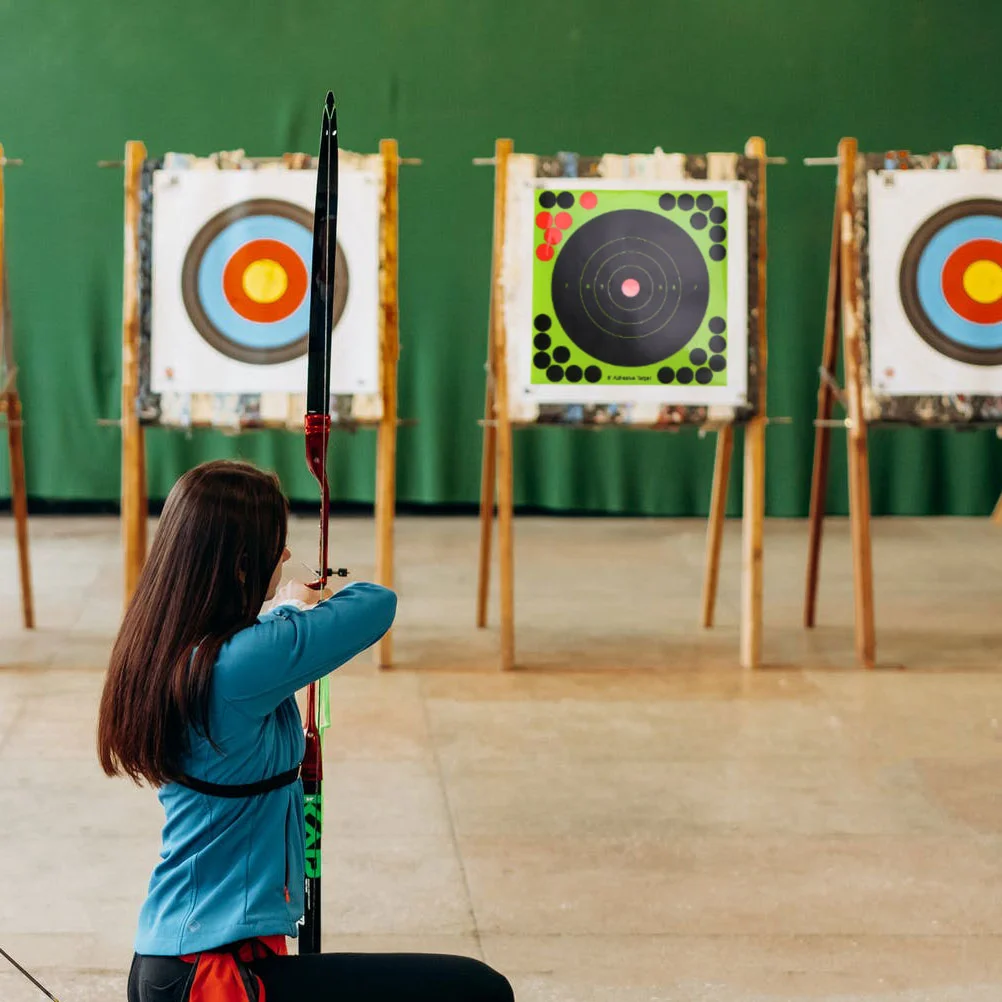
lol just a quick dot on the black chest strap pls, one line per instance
(241, 789)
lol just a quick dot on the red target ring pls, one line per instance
(276, 258)
(956, 281)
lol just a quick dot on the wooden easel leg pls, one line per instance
(822, 433)
(386, 462)
(752, 542)
(715, 525)
(859, 466)
(19, 504)
(506, 542)
(997, 513)
(862, 547)
(135, 507)
(488, 462)
(386, 456)
(488, 484)
(754, 472)
(134, 499)
(497, 430)
(10, 404)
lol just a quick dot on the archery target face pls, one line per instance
(637, 293)
(232, 252)
(935, 245)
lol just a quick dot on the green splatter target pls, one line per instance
(630, 287)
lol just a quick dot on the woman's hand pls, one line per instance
(296, 591)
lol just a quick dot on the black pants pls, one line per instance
(339, 977)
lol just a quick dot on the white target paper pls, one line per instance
(935, 259)
(251, 267)
(631, 273)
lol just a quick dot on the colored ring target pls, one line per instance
(245, 281)
(630, 287)
(951, 281)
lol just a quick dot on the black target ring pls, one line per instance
(213, 333)
(912, 290)
(630, 288)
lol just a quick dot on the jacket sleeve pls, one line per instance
(289, 648)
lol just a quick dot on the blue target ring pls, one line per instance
(251, 335)
(211, 310)
(931, 285)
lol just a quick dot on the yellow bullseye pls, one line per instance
(983, 281)
(265, 281)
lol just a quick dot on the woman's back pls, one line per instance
(234, 865)
(199, 701)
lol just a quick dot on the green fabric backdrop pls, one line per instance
(446, 77)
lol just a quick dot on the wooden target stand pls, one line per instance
(135, 501)
(497, 486)
(842, 313)
(10, 411)
(844, 316)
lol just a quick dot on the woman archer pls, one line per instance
(199, 701)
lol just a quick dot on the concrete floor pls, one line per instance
(629, 817)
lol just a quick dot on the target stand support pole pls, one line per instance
(753, 515)
(715, 525)
(488, 470)
(134, 493)
(997, 513)
(10, 406)
(389, 353)
(843, 306)
(828, 394)
(496, 470)
(856, 436)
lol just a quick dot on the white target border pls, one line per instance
(184, 200)
(516, 289)
(902, 363)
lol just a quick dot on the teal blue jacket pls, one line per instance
(231, 869)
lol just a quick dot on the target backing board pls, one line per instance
(620, 290)
(230, 286)
(935, 279)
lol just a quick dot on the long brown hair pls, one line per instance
(219, 540)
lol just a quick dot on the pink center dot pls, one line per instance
(630, 288)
